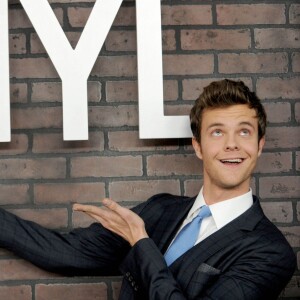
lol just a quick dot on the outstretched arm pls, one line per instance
(84, 251)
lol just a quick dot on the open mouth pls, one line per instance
(232, 161)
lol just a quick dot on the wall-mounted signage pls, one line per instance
(75, 65)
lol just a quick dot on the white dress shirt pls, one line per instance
(222, 213)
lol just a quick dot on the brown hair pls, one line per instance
(225, 93)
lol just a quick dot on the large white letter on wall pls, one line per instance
(73, 65)
(152, 121)
(4, 75)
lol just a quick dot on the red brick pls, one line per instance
(119, 91)
(54, 218)
(37, 47)
(18, 93)
(52, 91)
(280, 137)
(278, 212)
(286, 88)
(81, 291)
(14, 194)
(114, 166)
(17, 145)
(32, 68)
(142, 190)
(215, 39)
(18, 18)
(170, 90)
(297, 112)
(125, 40)
(79, 15)
(168, 40)
(20, 292)
(54, 143)
(294, 14)
(278, 112)
(279, 187)
(39, 168)
(165, 165)
(53, 193)
(292, 289)
(298, 161)
(296, 62)
(192, 88)
(113, 116)
(183, 64)
(129, 141)
(36, 117)
(298, 210)
(116, 287)
(237, 14)
(17, 43)
(17, 269)
(292, 234)
(118, 66)
(278, 162)
(192, 187)
(186, 15)
(81, 220)
(126, 16)
(253, 63)
(268, 38)
(177, 110)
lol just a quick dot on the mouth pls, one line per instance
(232, 161)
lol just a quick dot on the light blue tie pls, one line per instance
(187, 237)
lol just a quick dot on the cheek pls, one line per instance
(252, 150)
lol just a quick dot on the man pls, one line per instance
(236, 254)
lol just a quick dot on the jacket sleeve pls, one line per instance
(85, 251)
(248, 278)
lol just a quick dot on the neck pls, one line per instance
(215, 195)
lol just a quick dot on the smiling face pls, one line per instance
(229, 148)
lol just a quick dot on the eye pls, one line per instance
(245, 132)
(217, 132)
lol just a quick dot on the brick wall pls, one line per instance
(41, 175)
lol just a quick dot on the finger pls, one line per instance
(114, 206)
(86, 208)
(101, 215)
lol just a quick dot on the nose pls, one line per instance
(231, 143)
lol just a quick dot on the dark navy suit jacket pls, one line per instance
(247, 259)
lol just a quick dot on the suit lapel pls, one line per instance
(170, 222)
(216, 242)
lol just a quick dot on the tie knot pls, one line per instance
(204, 212)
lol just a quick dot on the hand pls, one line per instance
(117, 219)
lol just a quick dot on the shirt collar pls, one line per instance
(225, 211)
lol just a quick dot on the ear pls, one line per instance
(197, 148)
(261, 144)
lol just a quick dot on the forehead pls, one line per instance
(232, 115)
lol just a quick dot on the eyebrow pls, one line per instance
(221, 124)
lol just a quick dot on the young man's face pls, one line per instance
(229, 147)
